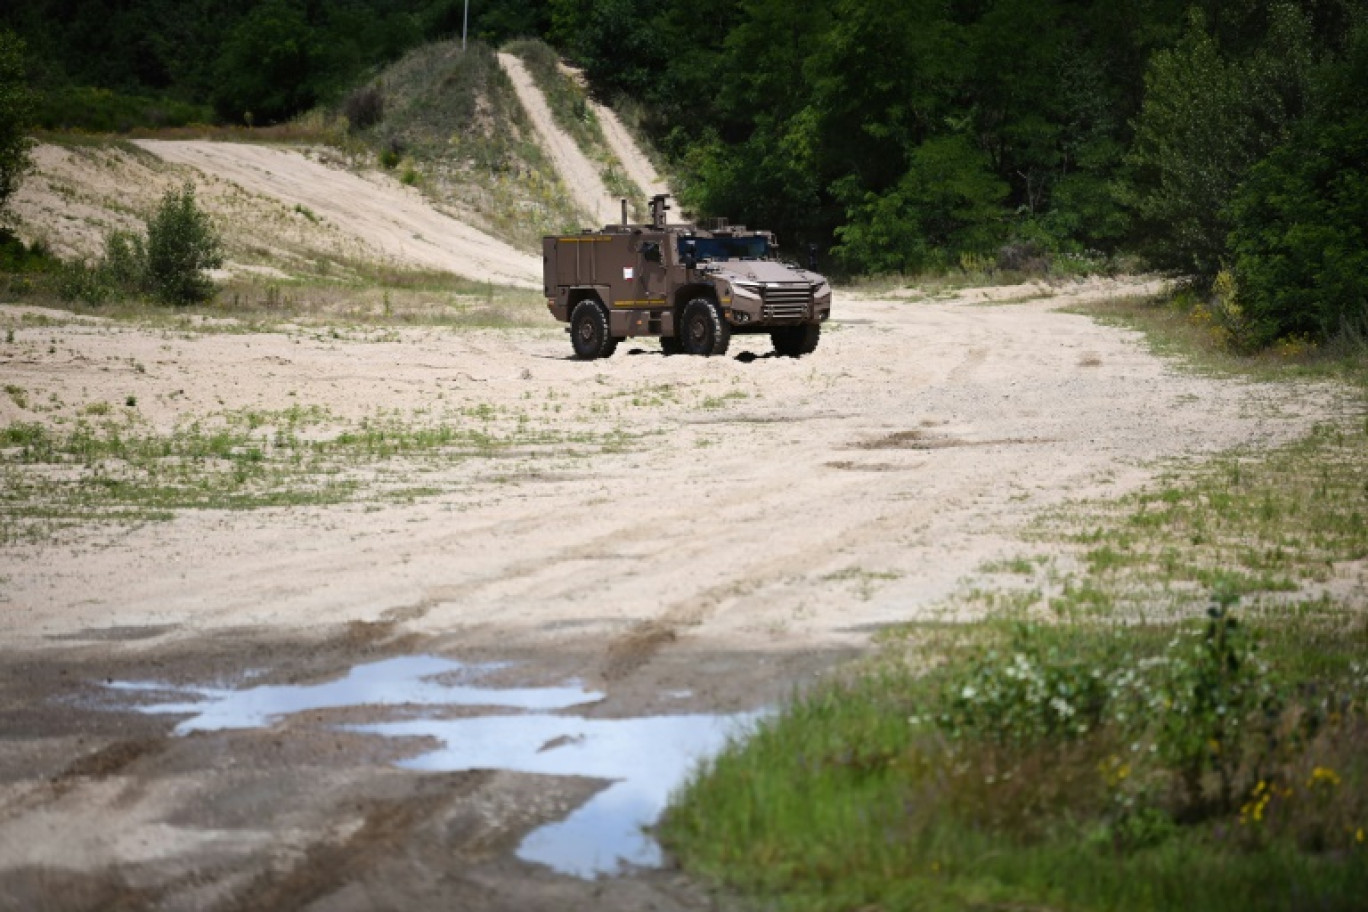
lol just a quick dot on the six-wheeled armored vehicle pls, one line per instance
(693, 287)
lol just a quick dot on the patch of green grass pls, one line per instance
(1081, 767)
(95, 110)
(1022, 566)
(121, 470)
(1261, 523)
(864, 582)
(1136, 757)
(362, 298)
(1174, 327)
(717, 402)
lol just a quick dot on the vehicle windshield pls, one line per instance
(747, 247)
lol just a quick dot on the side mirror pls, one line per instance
(690, 255)
(812, 257)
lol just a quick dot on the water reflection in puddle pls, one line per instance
(646, 758)
(404, 681)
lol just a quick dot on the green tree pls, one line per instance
(16, 109)
(181, 245)
(1206, 119)
(269, 65)
(1300, 235)
(947, 204)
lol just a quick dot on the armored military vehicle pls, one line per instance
(690, 286)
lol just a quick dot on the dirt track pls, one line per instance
(580, 174)
(760, 518)
(396, 222)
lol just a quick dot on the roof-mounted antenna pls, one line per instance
(658, 209)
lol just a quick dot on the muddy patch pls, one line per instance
(918, 439)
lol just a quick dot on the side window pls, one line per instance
(650, 251)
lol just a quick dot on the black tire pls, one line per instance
(702, 331)
(796, 341)
(669, 345)
(589, 331)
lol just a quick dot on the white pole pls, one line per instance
(465, 22)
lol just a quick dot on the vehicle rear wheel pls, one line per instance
(702, 329)
(669, 345)
(796, 341)
(589, 331)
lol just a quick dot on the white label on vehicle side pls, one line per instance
(628, 272)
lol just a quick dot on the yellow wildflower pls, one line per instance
(1323, 776)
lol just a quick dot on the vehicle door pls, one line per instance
(651, 269)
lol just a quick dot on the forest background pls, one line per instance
(1218, 140)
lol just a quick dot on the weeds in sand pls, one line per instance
(1089, 743)
(120, 469)
(1201, 765)
(1175, 326)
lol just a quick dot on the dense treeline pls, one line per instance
(1203, 134)
(253, 60)
(901, 135)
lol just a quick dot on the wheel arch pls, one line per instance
(686, 293)
(575, 294)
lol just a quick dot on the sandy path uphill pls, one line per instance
(580, 174)
(639, 169)
(380, 211)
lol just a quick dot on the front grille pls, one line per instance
(787, 302)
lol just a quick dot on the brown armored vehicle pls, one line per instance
(694, 288)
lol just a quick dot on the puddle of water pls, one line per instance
(645, 758)
(404, 681)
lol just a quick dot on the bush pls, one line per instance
(168, 265)
(181, 245)
(364, 108)
(947, 202)
(99, 110)
(18, 257)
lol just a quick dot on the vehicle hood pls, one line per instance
(762, 271)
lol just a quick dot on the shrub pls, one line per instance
(364, 108)
(947, 201)
(84, 282)
(168, 264)
(181, 245)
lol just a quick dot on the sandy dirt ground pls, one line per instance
(580, 174)
(290, 211)
(754, 523)
(635, 162)
(280, 210)
(397, 222)
(638, 167)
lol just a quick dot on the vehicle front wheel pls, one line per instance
(702, 329)
(589, 331)
(796, 341)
